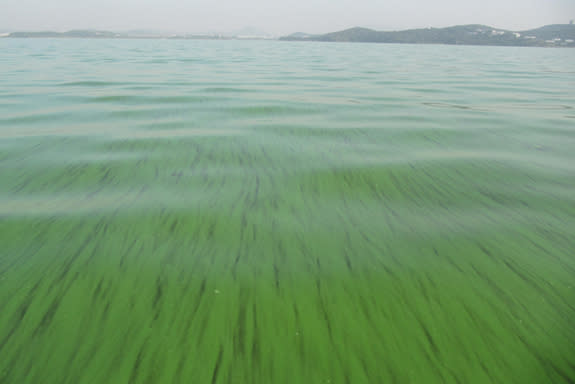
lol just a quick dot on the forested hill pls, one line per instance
(558, 35)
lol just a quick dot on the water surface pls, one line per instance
(273, 212)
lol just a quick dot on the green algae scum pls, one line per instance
(269, 212)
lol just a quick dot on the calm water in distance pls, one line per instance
(273, 212)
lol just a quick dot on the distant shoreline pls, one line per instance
(555, 35)
(89, 34)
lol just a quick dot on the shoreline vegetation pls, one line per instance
(556, 35)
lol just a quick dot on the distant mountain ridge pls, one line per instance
(556, 35)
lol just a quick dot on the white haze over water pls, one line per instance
(277, 17)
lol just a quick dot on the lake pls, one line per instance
(179, 211)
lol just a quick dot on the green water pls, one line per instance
(269, 212)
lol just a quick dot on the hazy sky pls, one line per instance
(278, 17)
